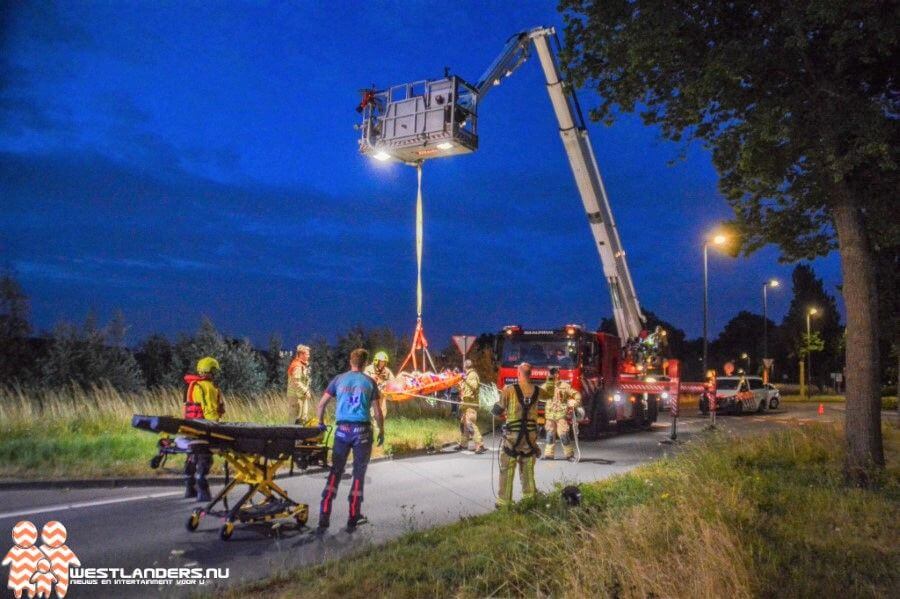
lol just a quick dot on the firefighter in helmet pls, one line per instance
(379, 371)
(519, 404)
(562, 400)
(301, 407)
(468, 425)
(202, 399)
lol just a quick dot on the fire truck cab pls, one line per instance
(593, 362)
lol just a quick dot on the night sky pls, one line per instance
(173, 159)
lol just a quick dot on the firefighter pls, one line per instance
(563, 399)
(379, 371)
(468, 386)
(301, 408)
(202, 399)
(468, 430)
(518, 403)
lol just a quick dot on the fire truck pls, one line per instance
(617, 390)
(623, 379)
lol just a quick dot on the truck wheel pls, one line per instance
(762, 406)
(652, 408)
(599, 417)
(738, 408)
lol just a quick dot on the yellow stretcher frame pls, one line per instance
(258, 474)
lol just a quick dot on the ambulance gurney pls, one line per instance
(254, 453)
(408, 385)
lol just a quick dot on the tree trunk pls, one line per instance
(863, 416)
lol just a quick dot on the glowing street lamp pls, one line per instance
(717, 239)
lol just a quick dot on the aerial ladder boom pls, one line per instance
(574, 134)
(418, 121)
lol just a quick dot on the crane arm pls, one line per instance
(574, 134)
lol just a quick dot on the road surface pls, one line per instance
(144, 527)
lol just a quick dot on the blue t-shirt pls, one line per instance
(354, 393)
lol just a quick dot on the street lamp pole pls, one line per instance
(717, 240)
(809, 313)
(766, 285)
(705, 303)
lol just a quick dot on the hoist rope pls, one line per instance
(419, 241)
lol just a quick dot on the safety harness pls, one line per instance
(523, 425)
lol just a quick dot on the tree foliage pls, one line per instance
(791, 97)
(809, 292)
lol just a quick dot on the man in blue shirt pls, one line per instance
(355, 394)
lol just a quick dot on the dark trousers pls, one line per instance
(347, 437)
(197, 466)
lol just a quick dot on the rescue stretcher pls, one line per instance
(406, 386)
(254, 453)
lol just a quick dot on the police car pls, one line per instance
(739, 394)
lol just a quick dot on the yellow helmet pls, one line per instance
(207, 365)
(381, 357)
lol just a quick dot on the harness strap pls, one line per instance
(524, 424)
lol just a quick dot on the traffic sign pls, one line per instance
(464, 343)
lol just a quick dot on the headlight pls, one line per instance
(665, 395)
(617, 397)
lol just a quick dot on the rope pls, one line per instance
(419, 241)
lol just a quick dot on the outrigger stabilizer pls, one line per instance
(254, 453)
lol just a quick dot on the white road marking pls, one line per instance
(73, 506)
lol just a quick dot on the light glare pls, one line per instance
(382, 156)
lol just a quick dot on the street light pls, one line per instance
(717, 239)
(773, 283)
(810, 312)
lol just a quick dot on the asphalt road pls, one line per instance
(144, 527)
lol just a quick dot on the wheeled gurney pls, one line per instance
(254, 453)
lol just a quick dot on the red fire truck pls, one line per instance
(616, 391)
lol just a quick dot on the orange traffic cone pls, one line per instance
(821, 409)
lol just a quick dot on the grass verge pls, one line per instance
(88, 434)
(888, 402)
(768, 516)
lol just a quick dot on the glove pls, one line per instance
(322, 427)
(380, 439)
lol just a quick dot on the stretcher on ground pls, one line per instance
(254, 454)
(410, 385)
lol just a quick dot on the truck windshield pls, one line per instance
(562, 353)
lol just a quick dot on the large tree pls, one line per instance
(809, 292)
(798, 102)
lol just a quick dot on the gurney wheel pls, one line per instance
(226, 530)
(193, 522)
(155, 461)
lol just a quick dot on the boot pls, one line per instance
(480, 449)
(203, 495)
(324, 523)
(355, 521)
(190, 490)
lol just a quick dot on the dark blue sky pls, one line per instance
(173, 159)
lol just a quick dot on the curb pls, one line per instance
(174, 481)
